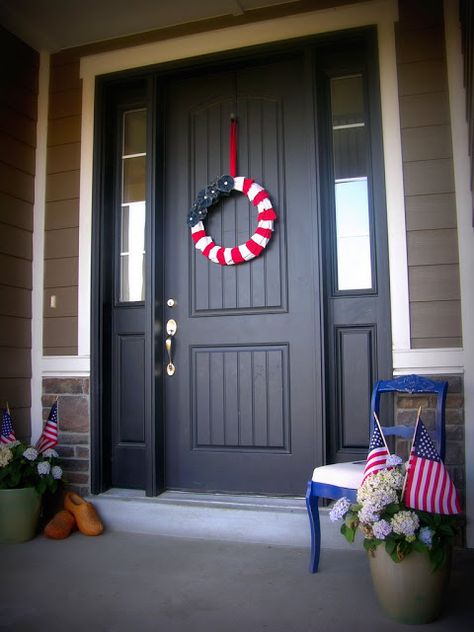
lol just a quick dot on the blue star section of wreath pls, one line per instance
(208, 197)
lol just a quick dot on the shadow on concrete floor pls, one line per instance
(128, 582)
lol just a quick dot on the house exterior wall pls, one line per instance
(427, 168)
(18, 113)
(433, 269)
(429, 209)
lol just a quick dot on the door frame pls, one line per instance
(154, 404)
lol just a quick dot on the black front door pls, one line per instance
(275, 358)
(244, 406)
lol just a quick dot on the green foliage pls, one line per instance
(348, 532)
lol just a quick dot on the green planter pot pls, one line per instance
(19, 514)
(409, 591)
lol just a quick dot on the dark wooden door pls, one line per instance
(275, 358)
(243, 410)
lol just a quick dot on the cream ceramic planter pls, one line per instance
(409, 591)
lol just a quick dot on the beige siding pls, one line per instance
(62, 209)
(428, 176)
(18, 105)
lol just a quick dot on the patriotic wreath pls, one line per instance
(209, 196)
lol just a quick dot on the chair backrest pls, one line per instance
(413, 384)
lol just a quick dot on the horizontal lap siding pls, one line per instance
(62, 208)
(433, 269)
(18, 113)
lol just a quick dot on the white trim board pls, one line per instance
(65, 366)
(38, 247)
(428, 361)
(377, 12)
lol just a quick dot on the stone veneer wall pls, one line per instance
(406, 407)
(74, 427)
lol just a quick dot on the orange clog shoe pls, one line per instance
(60, 526)
(87, 520)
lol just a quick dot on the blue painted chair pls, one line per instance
(343, 479)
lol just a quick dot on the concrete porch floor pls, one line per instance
(139, 582)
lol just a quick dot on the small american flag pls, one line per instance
(428, 485)
(49, 436)
(7, 436)
(378, 453)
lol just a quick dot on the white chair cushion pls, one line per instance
(347, 475)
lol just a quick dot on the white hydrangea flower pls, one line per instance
(6, 456)
(30, 453)
(341, 507)
(57, 472)
(381, 489)
(405, 523)
(368, 513)
(43, 468)
(381, 529)
(49, 453)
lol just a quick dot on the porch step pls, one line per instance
(259, 519)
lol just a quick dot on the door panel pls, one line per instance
(243, 406)
(238, 400)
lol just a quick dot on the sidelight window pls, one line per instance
(133, 206)
(350, 152)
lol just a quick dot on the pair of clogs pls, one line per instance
(78, 513)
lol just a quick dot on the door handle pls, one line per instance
(171, 328)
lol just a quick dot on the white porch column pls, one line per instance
(462, 162)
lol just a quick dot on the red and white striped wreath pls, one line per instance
(257, 242)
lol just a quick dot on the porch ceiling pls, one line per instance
(54, 25)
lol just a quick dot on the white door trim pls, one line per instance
(38, 247)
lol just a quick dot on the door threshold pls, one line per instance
(211, 499)
(273, 521)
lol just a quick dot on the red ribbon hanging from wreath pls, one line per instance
(233, 147)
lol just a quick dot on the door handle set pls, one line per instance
(171, 328)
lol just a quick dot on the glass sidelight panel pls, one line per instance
(134, 132)
(134, 173)
(350, 151)
(133, 207)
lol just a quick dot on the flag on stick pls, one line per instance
(8, 435)
(428, 485)
(49, 436)
(378, 451)
(402, 495)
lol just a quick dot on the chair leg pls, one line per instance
(313, 514)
